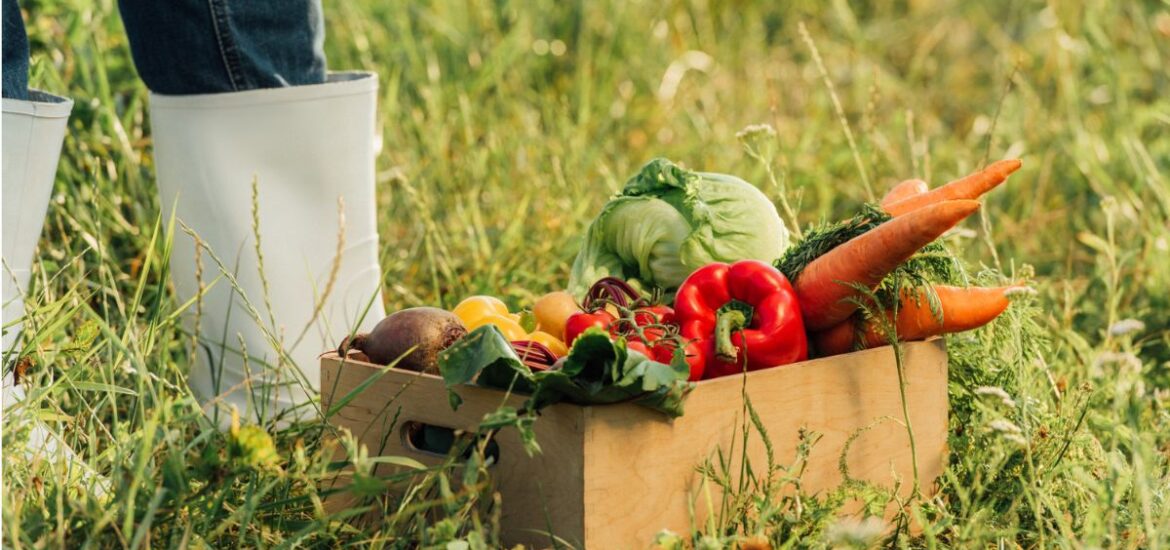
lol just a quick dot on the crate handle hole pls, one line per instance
(439, 440)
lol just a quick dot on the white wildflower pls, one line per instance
(1020, 291)
(709, 543)
(1126, 326)
(1008, 430)
(668, 540)
(998, 393)
(756, 131)
(1108, 203)
(962, 233)
(1004, 426)
(855, 533)
(1122, 370)
(1126, 361)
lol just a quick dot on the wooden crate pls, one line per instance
(613, 476)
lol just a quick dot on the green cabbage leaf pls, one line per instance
(668, 221)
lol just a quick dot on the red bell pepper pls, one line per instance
(741, 315)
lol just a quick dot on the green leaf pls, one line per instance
(668, 221)
(504, 417)
(397, 461)
(527, 321)
(656, 375)
(365, 485)
(499, 418)
(471, 469)
(601, 371)
(454, 400)
(597, 371)
(594, 358)
(84, 337)
(99, 387)
(174, 473)
(462, 361)
(486, 357)
(658, 175)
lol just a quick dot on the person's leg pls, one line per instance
(15, 47)
(34, 125)
(33, 132)
(184, 47)
(240, 95)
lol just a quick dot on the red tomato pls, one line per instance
(664, 353)
(644, 317)
(654, 315)
(579, 322)
(634, 345)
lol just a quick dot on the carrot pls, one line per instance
(969, 187)
(904, 190)
(836, 340)
(962, 309)
(828, 282)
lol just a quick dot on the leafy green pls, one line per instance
(597, 371)
(484, 356)
(669, 221)
(601, 371)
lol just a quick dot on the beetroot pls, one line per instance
(414, 337)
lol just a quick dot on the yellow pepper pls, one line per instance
(509, 328)
(473, 308)
(554, 344)
(477, 311)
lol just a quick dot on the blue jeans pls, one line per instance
(183, 47)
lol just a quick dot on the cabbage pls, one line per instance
(668, 221)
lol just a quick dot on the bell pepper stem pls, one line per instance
(727, 321)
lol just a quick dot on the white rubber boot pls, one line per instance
(260, 331)
(33, 133)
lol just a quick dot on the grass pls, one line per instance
(544, 108)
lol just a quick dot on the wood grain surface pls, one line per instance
(613, 476)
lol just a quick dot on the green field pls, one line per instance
(490, 108)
